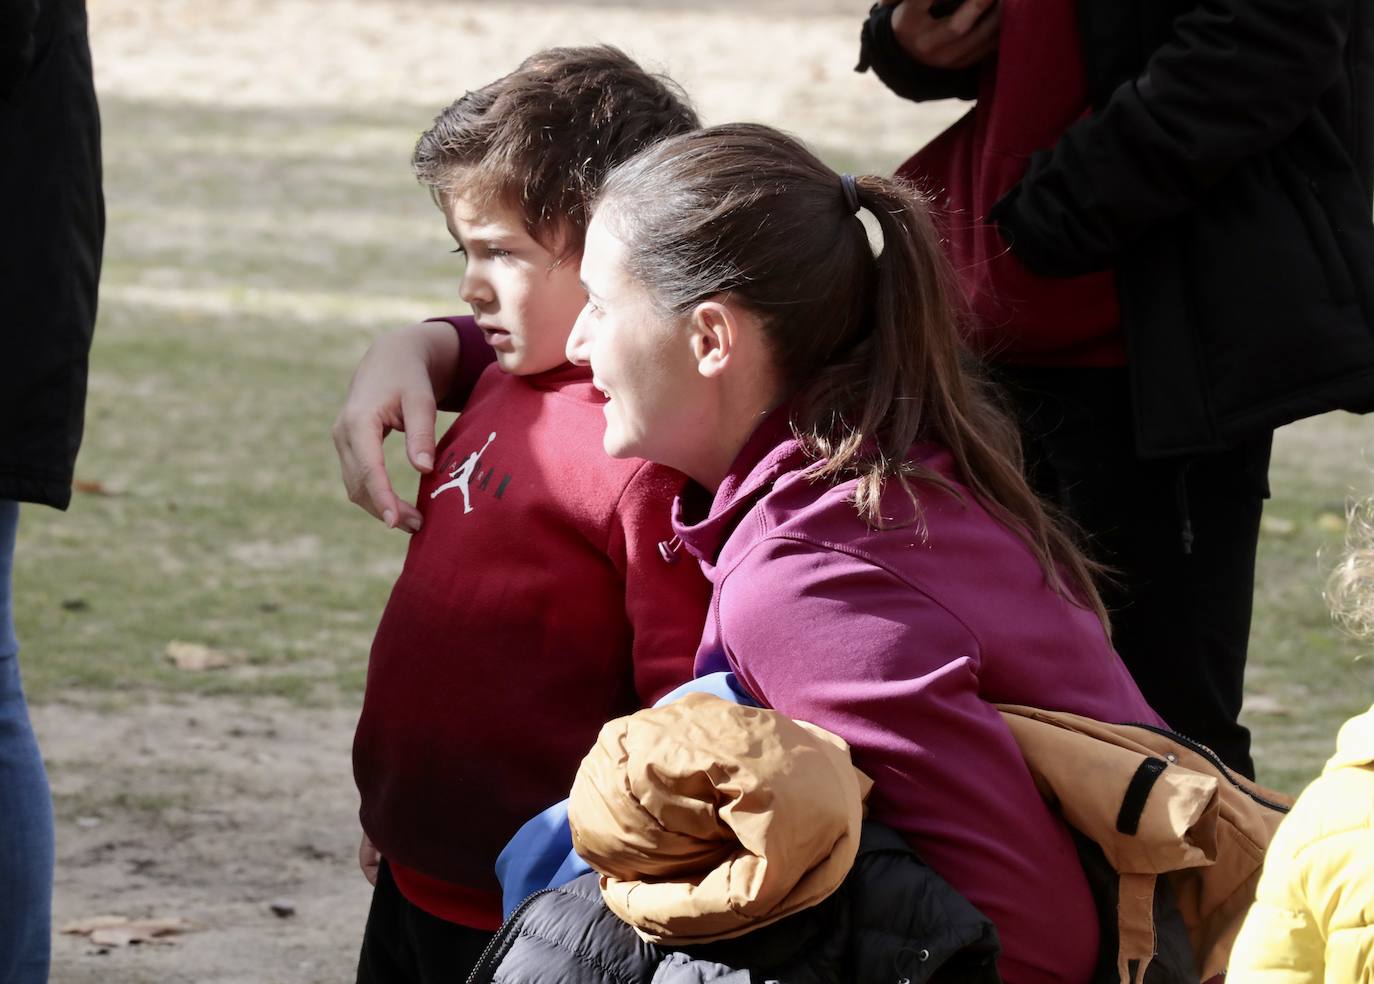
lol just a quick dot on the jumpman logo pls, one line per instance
(461, 474)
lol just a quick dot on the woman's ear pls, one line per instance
(714, 332)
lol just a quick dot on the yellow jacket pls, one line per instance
(1314, 907)
(1158, 807)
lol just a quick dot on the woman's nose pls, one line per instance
(579, 345)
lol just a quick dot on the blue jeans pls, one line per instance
(26, 834)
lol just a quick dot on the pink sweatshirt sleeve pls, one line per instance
(474, 355)
(825, 637)
(665, 601)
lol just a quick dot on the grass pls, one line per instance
(250, 258)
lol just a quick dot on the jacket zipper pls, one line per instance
(500, 944)
(1211, 757)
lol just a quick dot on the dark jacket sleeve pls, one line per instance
(17, 21)
(908, 78)
(1236, 79)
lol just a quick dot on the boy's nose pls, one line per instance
(579, 345)
(472, 288)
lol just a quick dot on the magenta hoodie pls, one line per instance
(901, 645)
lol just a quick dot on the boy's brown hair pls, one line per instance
(542, 138)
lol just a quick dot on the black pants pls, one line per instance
(1180, 533)
(403, 944)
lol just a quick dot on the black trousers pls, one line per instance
(403, 944)
(1180, 534)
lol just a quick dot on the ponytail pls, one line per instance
(868, 346)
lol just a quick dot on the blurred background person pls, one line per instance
(1160, 215)
(50, 249)
(1311, 919)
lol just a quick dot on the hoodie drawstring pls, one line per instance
(667, 549)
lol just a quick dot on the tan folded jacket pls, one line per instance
(707, 819)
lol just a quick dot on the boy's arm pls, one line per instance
(454, 379)
(665, 600)
(398, 384)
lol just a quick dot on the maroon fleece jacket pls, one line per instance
(1029, 92)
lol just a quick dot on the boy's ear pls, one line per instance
(714, 334)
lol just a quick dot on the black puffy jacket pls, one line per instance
(892, 920)
(1226, 175)
(52, 225)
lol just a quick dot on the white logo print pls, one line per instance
(461, 474)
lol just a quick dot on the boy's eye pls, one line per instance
(460, 251)
(496, 253)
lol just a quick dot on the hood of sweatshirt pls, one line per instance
(1355, 743)
(703, 522)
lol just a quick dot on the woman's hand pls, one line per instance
(369, 858)
(964, 38)
(393, 388)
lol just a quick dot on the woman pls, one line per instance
(880, 567)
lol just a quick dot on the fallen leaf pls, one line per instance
(128, 936)
(83, 927)
(92, 488)
(123, 931)
(1278, 526)
(1265, 704)
(1331, 522)
(198, 656)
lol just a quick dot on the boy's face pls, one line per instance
(524, 304)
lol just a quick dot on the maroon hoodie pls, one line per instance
(535, 604)
(901, 643)
(1029, 93)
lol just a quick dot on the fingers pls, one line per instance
(962, 39)
(408, 518)
(982, 40)
(377, 496)
(417, 420)
(369, 858)
(966, 17)
(362, 466)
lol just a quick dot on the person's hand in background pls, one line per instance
(957, 40)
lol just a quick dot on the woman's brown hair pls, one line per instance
(867, 347)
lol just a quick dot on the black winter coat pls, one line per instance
(52, 225)
(892, 920)
(1226, 175)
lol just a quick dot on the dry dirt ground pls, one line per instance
(212, 809)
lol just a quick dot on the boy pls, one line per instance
(535, 602)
